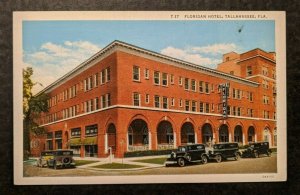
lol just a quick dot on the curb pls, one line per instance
(133, 169)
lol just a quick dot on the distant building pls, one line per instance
(128, 98)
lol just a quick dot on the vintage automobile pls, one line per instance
(188, 154)
(62, 159)
(43, 159)
(257, 148)
(222, 151)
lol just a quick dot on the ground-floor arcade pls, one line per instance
(122, 130)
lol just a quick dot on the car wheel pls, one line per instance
(237, 156)
(219, 158)
(204, 159)
(256, 155)
(181, 162)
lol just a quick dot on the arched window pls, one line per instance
(187, 133)
(223, 133)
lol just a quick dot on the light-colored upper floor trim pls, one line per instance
(263, 76)
(156, 109)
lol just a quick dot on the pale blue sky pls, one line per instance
(53, 48)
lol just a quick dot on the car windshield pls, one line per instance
(181, 149)
(65, 153)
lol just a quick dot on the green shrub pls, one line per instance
(147, 153)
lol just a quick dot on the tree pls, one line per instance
(33, 106)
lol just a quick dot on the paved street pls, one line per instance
(263, 164)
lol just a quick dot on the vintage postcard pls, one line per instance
(149, 97)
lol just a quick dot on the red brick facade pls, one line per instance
(123, 108)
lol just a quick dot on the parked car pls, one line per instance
(188, 154)
(62, 159)
(43, 159)
(222, 151)
(257, 148)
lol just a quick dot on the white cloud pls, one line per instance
(52, 60)
(215, 48)
(186, 55)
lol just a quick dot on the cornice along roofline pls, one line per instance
(145, 51)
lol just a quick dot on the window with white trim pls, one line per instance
(180, 81)
(207, 108)
(186, 84)
(136, 99)
(165, 103)
(136, 73)
(187, 105)
(201, 88)
(96, 79)
(108, 101)
(193, 85)
(194, 108)
(107, 71)
(156, 77)
(172, 101)
(201, 107)
(180, 103)
(147, 99)
(164, 79)
(156, 101)
(146, 73)
(249, 71)
(102, 75)
(172, 79)
(206, 87)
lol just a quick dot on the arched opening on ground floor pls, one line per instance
(111, 137)
(267, 135)
(223, 133)
(138, 135)
(165, 135)
(187, 133)
(207, 134)
(251, 134)
(238, 134)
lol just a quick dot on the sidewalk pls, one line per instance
(130, 161)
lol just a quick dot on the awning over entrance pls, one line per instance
(90, 141)
(75, 142)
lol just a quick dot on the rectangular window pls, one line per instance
(193, 84)
(239, 111)
(103, 101)
(136, 99)
(96, 80)
(206, 87)
(90, 83)
(146, 73)
(107, 74)
(201, 90)
(180, 81)
(165, 102)
(164, 79)
(172, 102)
(156, 78)
(96, 103)
(136, 73)
(207, 108)
(91, 105)
(238, 93)
(249, 70)
(180, 103)
(156, 101)
(228, 110)
(75, 132)
(233, 93)
(201, 107)
(194, 109)
(234, 110)
(187, 105)
(251, 96)
(108, 101)
(212, 88)
(186, 84)
(172, 79)
(91, 130)
(147, 99)
(102, 74)
(212, 107)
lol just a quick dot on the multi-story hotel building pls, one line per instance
(128, 98)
